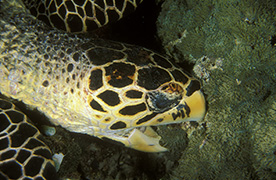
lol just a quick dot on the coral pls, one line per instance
(232, 44)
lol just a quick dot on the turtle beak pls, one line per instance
(147, 140)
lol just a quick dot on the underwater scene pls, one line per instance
(197, 103)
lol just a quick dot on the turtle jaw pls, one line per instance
(145, 139)
(197, 105)
(142, 138)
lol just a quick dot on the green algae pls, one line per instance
(239, 139)
(213, 27)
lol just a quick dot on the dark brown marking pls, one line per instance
(132, 110)
(4, 123)
(139, 56)
(80, 12)
(100, 56)
(70, 67)
(76, 57)
(74, 22)
(98, 116)
(146, 118)
(118, 125)
(45, 83)
(101, 4)
(106, 120)
(4, 143)
(179, 76)
(109, 2)
(89, 9)
(96, 106)
(12, 169)
(52, 7)
(119, 4)
(128, 9)
(79, 2)
(160, 119)
(15, 116)
(33, 143)
(57, 22)
(7, 155)
(43, 153)
(110, 97)
(120, 74)
(33, 166)
(5, 104)
(49, 171)
(134, 94)
(23, 155)
(161, 61)
(62, 11)
(152, 77)
(96, 79)
(193, 86)
(41, 8)
(24, 132)
(11, 128)
(100, 15)
(178, 114)
(182, 111)
(70, 6)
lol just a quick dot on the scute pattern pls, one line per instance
(82, 15)
(22, 153)
(120, 74)
(102, 55)
(152, 77)
(109, 97)
(132, 110)
(96, 79)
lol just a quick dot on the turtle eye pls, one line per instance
(164, 98)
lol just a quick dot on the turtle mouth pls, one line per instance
(143, 138)
(146, 139)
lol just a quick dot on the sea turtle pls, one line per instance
(102, 88)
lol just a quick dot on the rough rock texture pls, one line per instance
(232, 44)
(87, 157)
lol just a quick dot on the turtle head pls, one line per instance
(128, 112)
(129, 94)
(176, 102)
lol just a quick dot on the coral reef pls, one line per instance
(232, 44)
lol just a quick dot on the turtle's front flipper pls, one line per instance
(22, 153)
